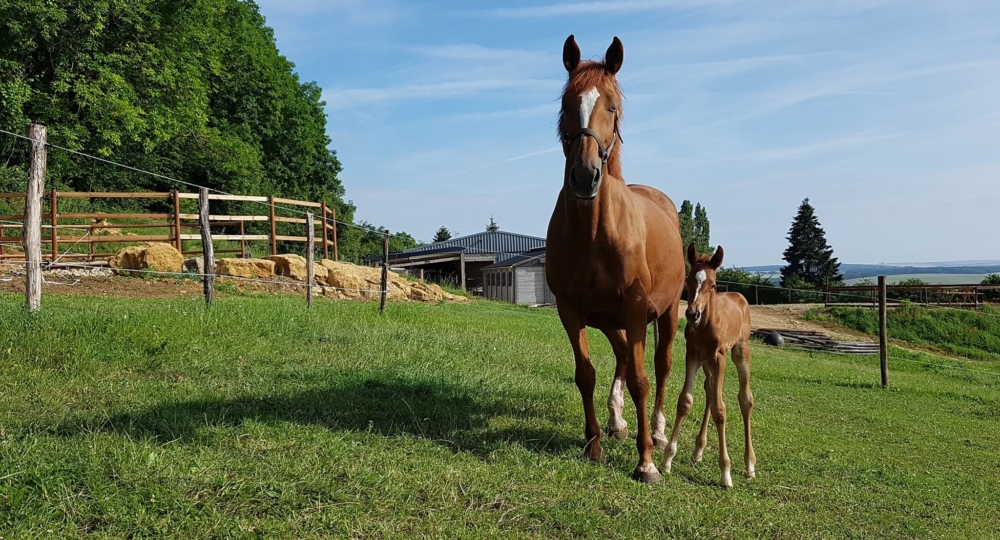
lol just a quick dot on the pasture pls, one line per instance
(261, 419)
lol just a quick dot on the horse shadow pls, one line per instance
(457, 417)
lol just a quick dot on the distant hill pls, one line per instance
(856, 271)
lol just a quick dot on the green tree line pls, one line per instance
(191, 89)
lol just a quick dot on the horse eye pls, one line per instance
(613, 108)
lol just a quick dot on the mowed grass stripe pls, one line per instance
(263, 419)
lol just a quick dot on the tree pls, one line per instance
(492, 227)
(702, 230)
(442, 235)
(686, 215)
(810, 259)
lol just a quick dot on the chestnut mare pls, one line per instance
(614, 256)
(717, 322)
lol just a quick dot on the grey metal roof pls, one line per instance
(519, 260)
(499, 242)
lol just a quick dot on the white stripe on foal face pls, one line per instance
(587, 101)
(700, 277)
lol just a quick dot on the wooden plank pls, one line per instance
(177, 221)
(112, 195)
(297, 203)
(279, 219)
(291, 238)
(117, 239)
(226, 218)
(228, 237)
(115, 216)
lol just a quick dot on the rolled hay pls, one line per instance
(152, 256)
(245, 268)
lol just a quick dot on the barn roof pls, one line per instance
(485, 242)
(520, 260)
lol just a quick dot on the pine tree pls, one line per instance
(810, 259)
(687, 223)
(492, 227)
(442, 235)
(702, 230)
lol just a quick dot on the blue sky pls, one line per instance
(885, 113)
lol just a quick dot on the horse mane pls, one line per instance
(586, 76)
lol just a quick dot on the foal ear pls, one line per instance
(613, 58)
(692, 254)
(571, 54)
(716, 261)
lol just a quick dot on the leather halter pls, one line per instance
(603, 152)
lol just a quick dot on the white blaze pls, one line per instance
(700, 277)
(587, 101)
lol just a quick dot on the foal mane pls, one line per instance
(586, 76)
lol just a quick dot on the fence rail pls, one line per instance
(181, 226)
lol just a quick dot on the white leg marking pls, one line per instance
(648, 468)
(587, 101)
(659, 425)
(616, 404)
(668, 456)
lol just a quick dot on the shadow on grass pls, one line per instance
(459, 418)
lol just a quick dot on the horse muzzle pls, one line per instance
(693, 316)
(585, 182)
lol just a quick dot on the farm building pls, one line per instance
(461, 260)
(519, 280)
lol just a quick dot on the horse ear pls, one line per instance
(692, 254)
(716, 261)
(614, 57)
(571, 54)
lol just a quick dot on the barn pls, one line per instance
(519, 280)
(460, 261)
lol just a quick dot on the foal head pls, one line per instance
(701, 282)
(588, 120)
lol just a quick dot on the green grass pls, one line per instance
(261, 419)
(973, 334)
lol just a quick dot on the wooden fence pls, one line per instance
(966, 295)
(181, 226)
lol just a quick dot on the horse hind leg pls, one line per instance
(718, 407)
(617, 427)
(741, 357)
(665, 330)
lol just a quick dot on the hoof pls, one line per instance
(750, 475)
(621, 434)
(647, 477)
(592, 453)
(660, 443)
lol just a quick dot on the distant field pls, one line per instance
(933, 279)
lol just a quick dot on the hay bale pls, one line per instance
(152, 256)
(245, 268)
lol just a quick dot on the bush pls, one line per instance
(755, 287)
(992, 279)
(913, 296)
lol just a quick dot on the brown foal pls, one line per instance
(717, 323)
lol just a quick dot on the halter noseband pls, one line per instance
(603, 152)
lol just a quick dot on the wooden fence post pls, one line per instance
(883, 332)
(54, 219)
(385, 273)
(207, 251)
(32, 231)
(274, 228)
(326, 226)
(310, 271)
(177, 221)
(461, 262)
(756, 294)
(333, 220)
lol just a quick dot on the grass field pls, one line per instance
(260, 419)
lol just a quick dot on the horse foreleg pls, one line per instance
(638, 388)
(741, 357)
(586, 379)
(702, 440)
(617, 427)
(684, 403)
(719, 417)
(663, 360)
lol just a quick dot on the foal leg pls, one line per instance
(663, 360)
(617, 427)
(719, 417)
(702, 441)
(741, 356)
(585, 381)
(684, 403)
